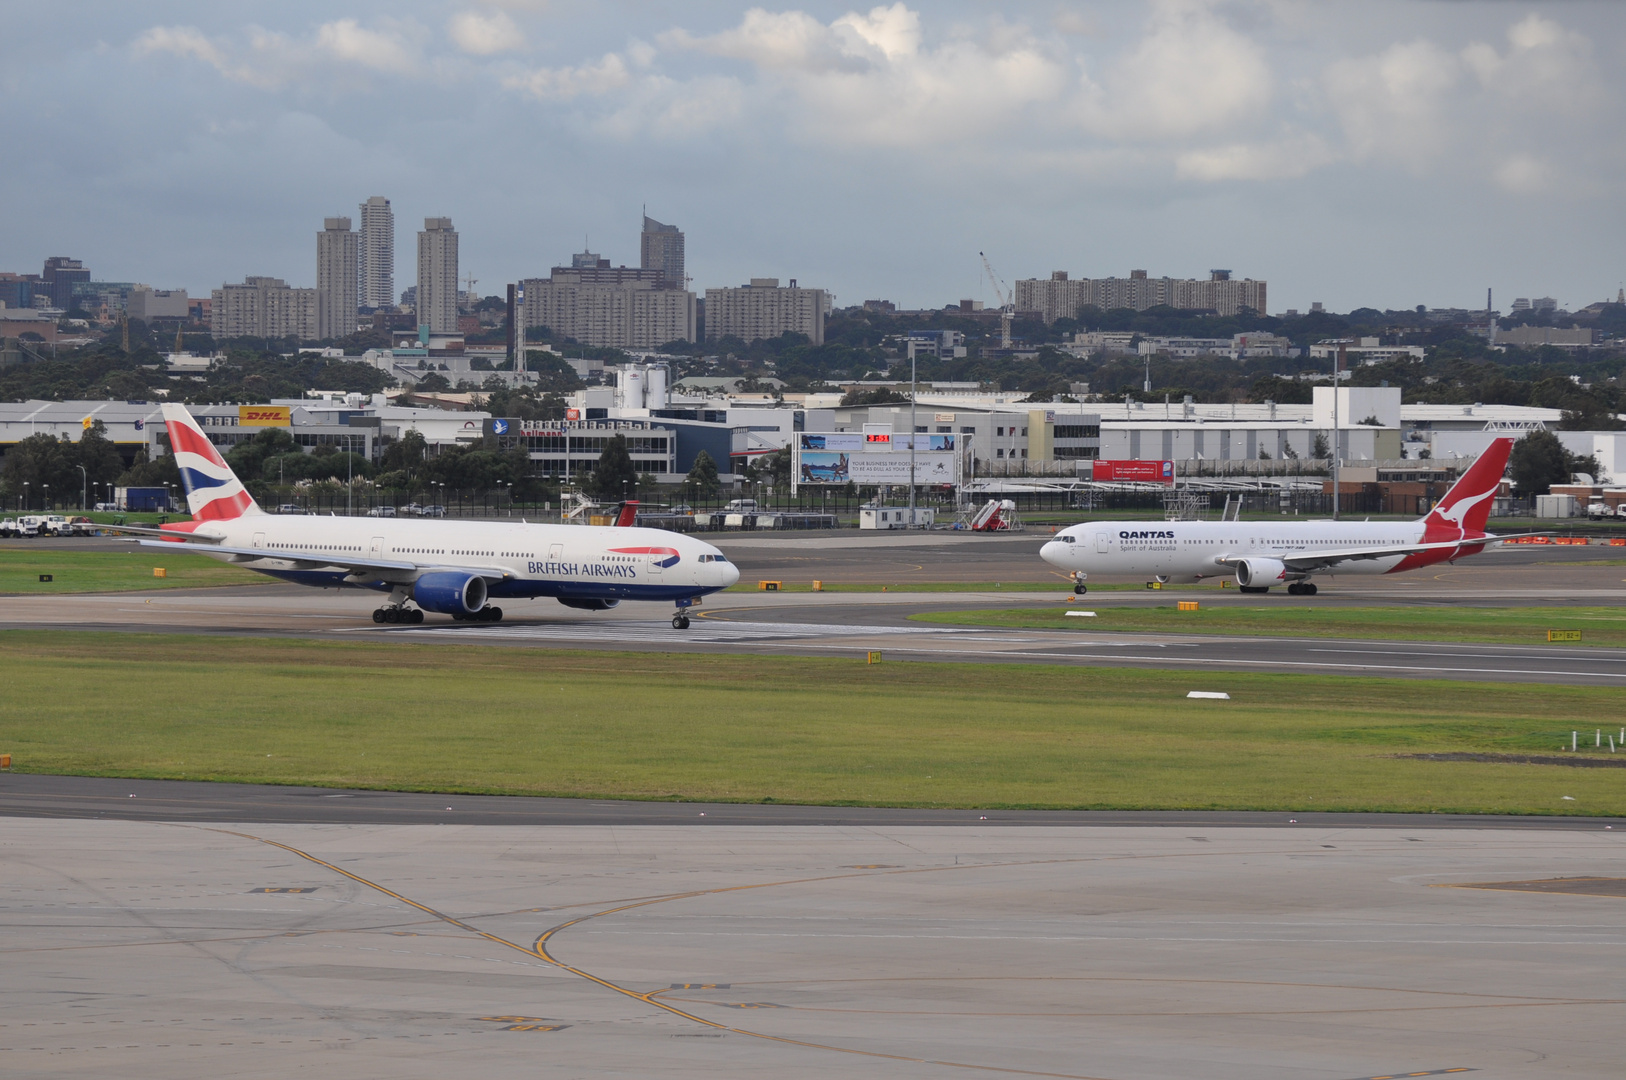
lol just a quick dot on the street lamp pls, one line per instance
(26, 504)
(45, 501)
(84, 486)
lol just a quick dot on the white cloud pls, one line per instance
(562, 84)
(485, 33)
(271, 59)
(1522, 174)
(1285, 159)
(1394, 102)
(1190, 75)
(869, 78)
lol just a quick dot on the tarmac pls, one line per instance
(192, 930)
(1304, 952)
(854, 624)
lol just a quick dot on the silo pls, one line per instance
(656, 380)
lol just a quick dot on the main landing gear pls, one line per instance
(485, 614)
(1301, 588)
(397, 614)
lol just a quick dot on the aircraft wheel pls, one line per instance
(1080, 590)
(1294, 588)
(378, 615)
(1253, 588)
(1309, 589)
(680, 621)
(493, 614)
(458, 616)
(417, 616)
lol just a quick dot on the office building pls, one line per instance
(59, 277)
(17, 290)
(338, 277)
(263, 307)
(660, 247)
(763, 309)
(436, 299)
(1060, 296)
(376, 255)
(148, 304)
(622, 307)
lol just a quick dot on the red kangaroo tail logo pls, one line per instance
(1466, 508)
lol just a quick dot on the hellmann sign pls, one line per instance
(264, 416)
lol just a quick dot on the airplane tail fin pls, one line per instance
(1466, 507)
(213, 492)
(626, 514)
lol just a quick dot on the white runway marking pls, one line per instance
(700, 631)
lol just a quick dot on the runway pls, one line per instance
(1113, 953)
(854, 624)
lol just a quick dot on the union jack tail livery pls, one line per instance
(1466, 508)
(213, 492)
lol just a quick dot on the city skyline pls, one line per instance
(1390, 153)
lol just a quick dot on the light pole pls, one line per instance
(912, 427)
(26, 504)
(45, 502)
(84, 487)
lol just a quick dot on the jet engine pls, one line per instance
(587, 605)
(450, 593)
(1261, 573)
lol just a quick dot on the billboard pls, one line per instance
(264, 416)
(844, 457)
(1144, 472)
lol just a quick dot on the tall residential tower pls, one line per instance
(660, 247)
(437, 276)
(377, 255)
(337, 275)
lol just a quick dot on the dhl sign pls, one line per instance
(264, 416)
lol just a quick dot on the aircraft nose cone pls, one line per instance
(731, 574)
(1052, 552)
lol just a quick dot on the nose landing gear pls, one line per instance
(680, 617)
(1079, 588)
(680, 621)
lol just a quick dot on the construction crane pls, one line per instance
(470, 281)
(1007, 303)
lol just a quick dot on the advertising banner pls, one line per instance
(853, 442)
(930, 468)
(265, 416)
(1144, 472)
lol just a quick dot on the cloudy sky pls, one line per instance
(1379, 153)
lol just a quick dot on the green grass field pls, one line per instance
(1598, 625)
(112, 571)
(804, 730)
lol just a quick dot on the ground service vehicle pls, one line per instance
(1264, 554)
(450, 567)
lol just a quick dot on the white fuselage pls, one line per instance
(570, 561)
(1193, 550)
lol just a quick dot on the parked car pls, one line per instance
(412, 510)
(106, 508)
(381, 511)
(82, 526)
(436, 511)
(8, 529)
(290, 508)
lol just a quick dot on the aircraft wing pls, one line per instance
(142, 530)
(315, 560)
(1321, 560)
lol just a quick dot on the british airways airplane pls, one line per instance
(452, 568)
(1263, 554)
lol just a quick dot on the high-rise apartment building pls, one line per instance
(338, 252)
(1060, 296)
(764, 309)
(621, 307)
(376, 257)
(437, 276)
(660, 247)
(263, 307)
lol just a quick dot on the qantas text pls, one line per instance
(1147, 535)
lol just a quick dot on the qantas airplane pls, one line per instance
(1262, 554)
(449, 567)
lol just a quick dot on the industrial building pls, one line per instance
(1060, 296)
